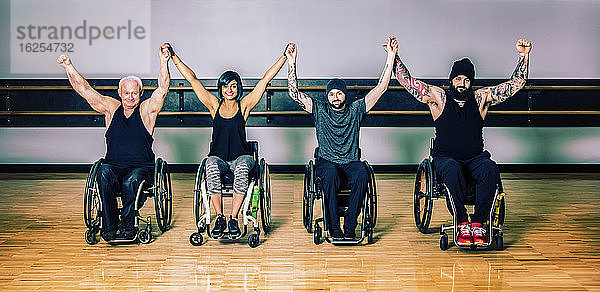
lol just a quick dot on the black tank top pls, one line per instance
(229, 136)
(128, 143)
(459, 131)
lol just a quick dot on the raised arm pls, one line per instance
(302, 99)
(152, 106)
(250, 100)
(208, 99)
(496, 94)
(422, 91)
(105, 105)
(391, 47)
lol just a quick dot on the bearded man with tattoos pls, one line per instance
(337, 124)
(458, 115)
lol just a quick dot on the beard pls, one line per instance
(338, 106)
(465, 95)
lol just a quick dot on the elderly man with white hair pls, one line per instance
(129, 127)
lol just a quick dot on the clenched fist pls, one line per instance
(291, 53)
(391, 45)
(164, 53)
(64, 60)
(523, 46)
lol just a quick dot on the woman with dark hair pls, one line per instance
(229, 148)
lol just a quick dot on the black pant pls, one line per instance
(356, 175)
(113, 179)
(485, 173)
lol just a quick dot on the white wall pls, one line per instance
(342, 38)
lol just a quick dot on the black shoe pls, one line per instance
(349, 235)
(109, 236)
(127, 235)
(220, 226)
(337, 234)
(234, 229)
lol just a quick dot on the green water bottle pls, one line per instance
(254, 201)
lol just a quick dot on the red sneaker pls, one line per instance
(464, 234)
(478, 233)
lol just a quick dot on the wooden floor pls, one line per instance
(552, 239)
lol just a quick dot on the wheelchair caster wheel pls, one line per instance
(253, 240)
(444, 242)
(317, 235)
(144, 236)
(499, 243)
(90, 237)
(196, 239)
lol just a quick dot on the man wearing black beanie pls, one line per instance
(458, 115)
(337, 124)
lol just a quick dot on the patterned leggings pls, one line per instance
(240, 167)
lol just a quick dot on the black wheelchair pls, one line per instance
(259, 178)
(160, 190)
(313, 191)
(428, 188)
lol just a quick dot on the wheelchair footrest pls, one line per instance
(346, 242)
(228, 236)
(123, 241)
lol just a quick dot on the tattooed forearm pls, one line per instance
(507, 89)
(417, 88)
(522, 69)
(293, 85)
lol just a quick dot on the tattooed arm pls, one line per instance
(496, 94)
(391, 47)
(433, 96)
(302, 99)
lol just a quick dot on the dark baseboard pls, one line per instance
(191, 168)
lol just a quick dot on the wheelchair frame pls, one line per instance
(428, 188)
(202, 212)
(313, 191)
(160, 191)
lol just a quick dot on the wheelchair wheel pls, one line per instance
(253, 240)
(196, 239)
(422, 198)
(199, 209)
(306, 206)
(90, 237)
(162, 195)
(317, 235)
(91, 200)
(499, 242)
(144, 235)
(265, 198)
(444, 242)
(372, 198)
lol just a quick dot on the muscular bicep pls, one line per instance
(100, 103)
(494, 95)
(156, 100)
